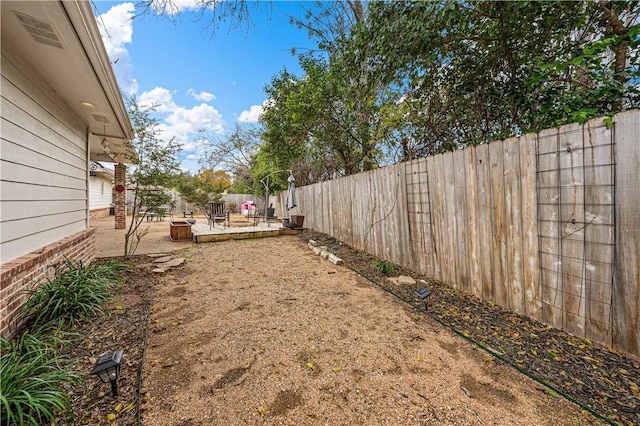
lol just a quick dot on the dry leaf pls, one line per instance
(310, 365)
(111, 417)
(262, 411)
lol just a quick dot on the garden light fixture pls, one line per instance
(108, 369)
(423, 293)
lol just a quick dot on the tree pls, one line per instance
(233, 153)
(203, 187)
(459, 73)
(149, 177)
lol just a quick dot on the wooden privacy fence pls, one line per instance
(546, 225)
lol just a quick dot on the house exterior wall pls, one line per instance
(100, 195)
(21, 274)
(43, 183)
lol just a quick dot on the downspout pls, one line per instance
(88, 184)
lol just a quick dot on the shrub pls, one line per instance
(385, 268)
(33, 378)
(79, 291)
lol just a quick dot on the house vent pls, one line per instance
(100, 118)
(41, 31)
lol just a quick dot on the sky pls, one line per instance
(204, 81)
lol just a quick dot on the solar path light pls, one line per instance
(423, 293)
(108, 369)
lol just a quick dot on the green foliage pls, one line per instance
(154, 172)
(79, 291)
(34, 378)
(203, 187)
(385, 268)
(473, 72)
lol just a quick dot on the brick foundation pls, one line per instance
(21, 273)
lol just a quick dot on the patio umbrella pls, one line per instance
(291, 193)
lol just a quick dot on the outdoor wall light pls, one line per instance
(423, 293)
(108, 369)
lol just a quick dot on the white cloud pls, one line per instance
(252, 115)
(202, 118)
(186, 126)
(116, 28)
(202, 96)
(176, 6)
(160, 97)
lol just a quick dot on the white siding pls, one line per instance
(43, 164)
(99, 191)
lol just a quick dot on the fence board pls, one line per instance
(531, 265)
(513, 224)
(418, 217)
(571, 154)
(434, 185)
(450, 219)
(549, 232)
(485, 230)
(461, 252)
(496, 161)
(626, 298)
(473, 227)
(598, 198)
(441, 217)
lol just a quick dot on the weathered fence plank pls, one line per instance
(438, 188)
(571, 154)
(626, 297)
(548, 181)
(496, 160)
(435, 198)
(418, 217)
(450, 219)
(598, 210)
(485, 230)
(531, 264)
(513, 224)
(462, 253)
(473, 227)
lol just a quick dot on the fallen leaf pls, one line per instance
(310, 365)
(336, 369)
(262, 411)
(118, 407)
(420, 358)
(111, 417)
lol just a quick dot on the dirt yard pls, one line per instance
(265, 332)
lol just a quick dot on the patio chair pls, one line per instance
(217, 213)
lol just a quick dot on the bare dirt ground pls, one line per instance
(265, 332)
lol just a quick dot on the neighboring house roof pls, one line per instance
(97, 169)
(78, 68)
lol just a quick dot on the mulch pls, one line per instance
(601, 380)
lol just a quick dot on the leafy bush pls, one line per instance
(79, 291)
(33, 378)
(385, 268)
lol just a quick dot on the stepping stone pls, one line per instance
(173, 263)
(162, 259)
